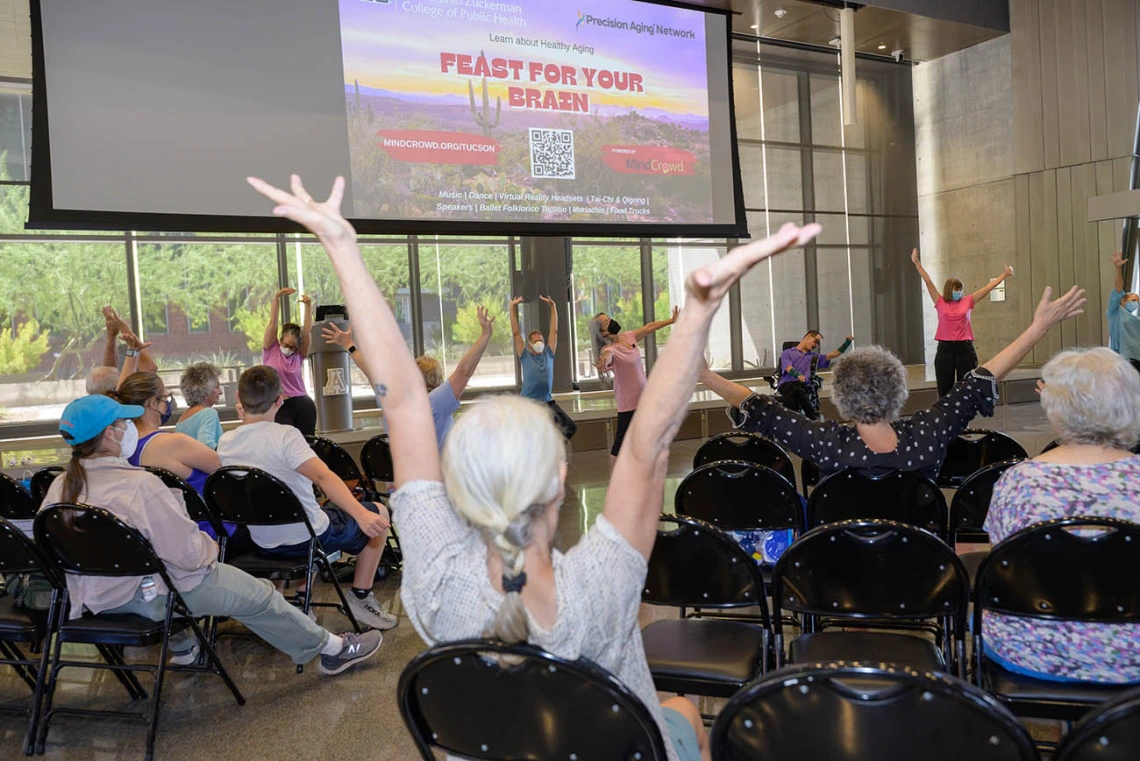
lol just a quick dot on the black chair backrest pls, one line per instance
(972, 450)
(789, 344)
(531, 705)
(241, 494)
(1075, 569)
(695, 564)
(896, 496)
(41, 482)
(376, 459)
(16, 502)
(871, 569)
(749, 447)
(809, 475)
(18, 554)
(734, 495)
(336, 457)
(847, 712)
(971, 503)
(195, 505)
(1110, 733)
(93, 542)
(1051, 446)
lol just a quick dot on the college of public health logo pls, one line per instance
(335, 383)
(581, 18)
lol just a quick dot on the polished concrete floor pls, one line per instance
(306, 716)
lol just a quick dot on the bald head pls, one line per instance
(102, 380)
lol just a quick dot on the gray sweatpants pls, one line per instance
(231, 592)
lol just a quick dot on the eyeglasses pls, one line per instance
(169, 399)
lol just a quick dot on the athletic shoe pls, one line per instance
(369, 612)
(357, 649)
(185, 657)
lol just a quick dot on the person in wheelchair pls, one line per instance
(797, 386)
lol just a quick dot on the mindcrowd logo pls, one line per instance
(581, 18)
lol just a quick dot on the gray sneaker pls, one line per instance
(357, 649)
(369, 613)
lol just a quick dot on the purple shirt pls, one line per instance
(801, 360)
(289, 368)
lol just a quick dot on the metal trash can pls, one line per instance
(332, 380)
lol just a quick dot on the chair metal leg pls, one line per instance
(216, 662)
(322, 558)
(159, 674)
(41, 675)
(127, 678)
(11, 652)
(49, 693)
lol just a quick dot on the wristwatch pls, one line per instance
(132, 352)
(352, 349)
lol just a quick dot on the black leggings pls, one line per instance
(796, 396)
(299, 412)
(951, 363)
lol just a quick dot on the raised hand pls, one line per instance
(322, 218)
(485, 319)
(546, 300)
(708, 285)
(1117, 259)
(1049, 313)
(335, 335)
(1008, 272)
(111, 319)
(516, 301)
(1040, 386)
(307, 300)
(284, 292)
(132, 341)
(676, 311)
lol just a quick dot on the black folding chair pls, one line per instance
(900, 496)
(873, 574)
(1083, 569)
(41, 482)
(696, 565)
(853, 712)
(90, 541)
(746, 447)
(340, 462)
(252, 497)
(1110, 733)
(809, 475)
(558, 709)
(21, 625)
(16, 503)
(376, 460)
(972, 450)
(968, 510)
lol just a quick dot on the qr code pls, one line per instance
(552, 153)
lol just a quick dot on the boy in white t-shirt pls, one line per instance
(353, 527)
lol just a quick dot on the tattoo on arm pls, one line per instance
(381, 390)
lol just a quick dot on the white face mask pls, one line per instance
(287, 351)
(538, 347)
(130, 440)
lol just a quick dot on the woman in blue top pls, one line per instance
(201, 388)
(1123, 316)
(536, 356)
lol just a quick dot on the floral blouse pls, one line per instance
(922, 438)
(1030, 493)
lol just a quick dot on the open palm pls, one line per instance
(322, 218)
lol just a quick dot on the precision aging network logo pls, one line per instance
(581, 18)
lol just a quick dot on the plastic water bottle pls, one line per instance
(775, 543)
(149, 590)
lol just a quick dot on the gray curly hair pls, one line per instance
(1092, 396)
(199, 381)
(869, 385)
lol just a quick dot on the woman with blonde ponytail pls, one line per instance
(478, 531)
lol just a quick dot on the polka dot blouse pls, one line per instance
(922, 438)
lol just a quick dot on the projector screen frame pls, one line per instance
(43, 215)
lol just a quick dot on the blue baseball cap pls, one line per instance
(87, 416)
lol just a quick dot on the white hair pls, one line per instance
(1092, 396)
(868, 385)
(502, 467)
(102, 380)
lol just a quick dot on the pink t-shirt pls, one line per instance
(629, 371)
(954, 319)
(289, 368)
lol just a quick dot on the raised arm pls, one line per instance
(516, 331)
(131, 364)
(1118, 263)
(648, 328)
(733, 393)
(635, 494)
(270, 336)
(831, 355)
(463, 372)
(1048, 314)
(930, 287)
(307, 325)
(984, 291)
(398, 383)
(111, 348)
(552, 332)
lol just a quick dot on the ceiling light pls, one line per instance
(882, 46)
(755, 26)
(833, 42)
(780, 13)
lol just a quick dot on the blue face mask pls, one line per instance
(1132, 306)
(955, 295)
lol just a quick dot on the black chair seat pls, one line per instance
(124, 629)
(20, 624)
(270, 567)
(867, 647)
(724, 655)
(1014, 689)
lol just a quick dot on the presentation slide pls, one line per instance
(528, 111)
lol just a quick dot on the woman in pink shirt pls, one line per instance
(287, 355)
(617, 352)
(955, 335)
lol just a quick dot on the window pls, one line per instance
(673, 260)
(15, 132)
(606, 277)
(455, 280)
